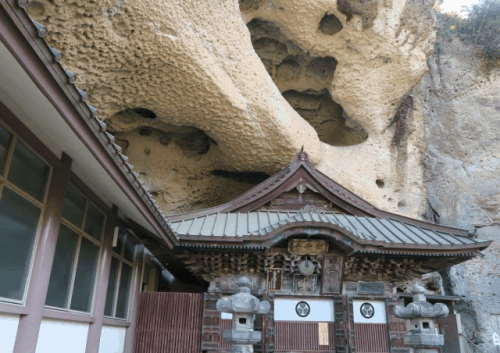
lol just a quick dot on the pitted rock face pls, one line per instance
(195, 64)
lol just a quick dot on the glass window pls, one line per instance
(60, 277)
(124, 292)
(129, 252)
(5, 137)
(18, 225)
(23, 180)
(74, 271)
(28, 172)
(74, 206)
(85, 276)
(120, 277)
(113, 280)
(94, 222)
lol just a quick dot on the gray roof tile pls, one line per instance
(264, 222)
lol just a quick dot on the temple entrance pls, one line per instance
(304, 324)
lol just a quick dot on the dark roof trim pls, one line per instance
(220, 247)
(431, 296)
(22, 37)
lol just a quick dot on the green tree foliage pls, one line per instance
(479, 26)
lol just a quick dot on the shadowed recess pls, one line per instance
(244, 177)
(145, 113)
(327, 117)
(330, 24)
(304, 81)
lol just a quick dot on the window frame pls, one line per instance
(80, 231)
(41, 204)
(121, 258)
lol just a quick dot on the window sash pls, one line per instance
(119, 255)
(8, 160)
(79, 230)
(74, 267)
(79, 194)
(95, 275)
(38, 203)
(28, 171)
(33, 249)
(3, 176)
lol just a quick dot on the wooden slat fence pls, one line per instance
(371, 338)
(300, 336)
(169, 323)
(224, 345)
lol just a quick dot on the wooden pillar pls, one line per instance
(211, 322)
(134, 300)
(269, 329)
(396, 325)
(29, 324)
(341, 323)
(94, 335)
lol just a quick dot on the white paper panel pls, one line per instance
(379, 316)
(321, 310)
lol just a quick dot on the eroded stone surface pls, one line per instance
(193, 63)
(461, 106)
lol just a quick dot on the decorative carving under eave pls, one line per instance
(383, 268)
(304, 284)
(377, 268)
(357, 268)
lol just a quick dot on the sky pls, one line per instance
(456, 5)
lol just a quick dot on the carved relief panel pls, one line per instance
(333, 271)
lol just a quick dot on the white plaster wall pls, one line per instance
(8, 331)
(321, 310)
(378, 318)
(57, 336)
(112, 339)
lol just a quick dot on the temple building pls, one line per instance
(90, 264)
(328, 261)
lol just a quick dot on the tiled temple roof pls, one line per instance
(261, 223)
(254, 220)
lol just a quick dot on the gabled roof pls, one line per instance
(299, 174)
(243, 220)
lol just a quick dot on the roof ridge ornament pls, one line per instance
(301, 158)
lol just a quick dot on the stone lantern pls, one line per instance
(243, 306)
(422, 335)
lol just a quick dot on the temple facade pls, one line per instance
(328, 262)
